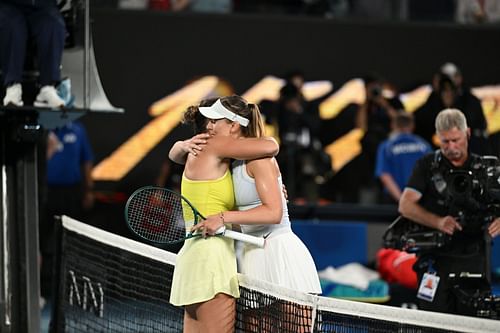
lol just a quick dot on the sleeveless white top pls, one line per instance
(285, 260)
(246, 197)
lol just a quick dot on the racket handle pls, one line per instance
(257, 241)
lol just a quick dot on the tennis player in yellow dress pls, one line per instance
(205, 275)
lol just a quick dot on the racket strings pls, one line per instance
(158, 215)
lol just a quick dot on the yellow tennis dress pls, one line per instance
(206, 266)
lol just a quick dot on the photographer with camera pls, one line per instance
(374, 118)
(303, 159)
(450, 91)
(428, 200)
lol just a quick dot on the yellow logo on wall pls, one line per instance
(167, 113)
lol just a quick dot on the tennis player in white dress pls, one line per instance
(285, 260)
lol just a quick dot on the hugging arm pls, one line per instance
(244, 148)
(179, 151)
(265, 173)
(225, 147)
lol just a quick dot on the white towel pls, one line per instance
(352, 274)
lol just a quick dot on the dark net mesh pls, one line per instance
(107, 289)
(108, 283)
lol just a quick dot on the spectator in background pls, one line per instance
(41, 19)
(397, 155)
(296, 78)
(477, 11)
(302, 153)
(203, 6)
(270, 109)
(69, 188)
(374, 118)
(449, 91)
(375, 114)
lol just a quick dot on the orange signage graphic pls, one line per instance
(167, 113)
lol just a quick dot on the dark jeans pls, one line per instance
(46, 26)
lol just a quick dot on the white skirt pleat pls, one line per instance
(284, 261)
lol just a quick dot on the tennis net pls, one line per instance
(108, 283)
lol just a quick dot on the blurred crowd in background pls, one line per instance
(461, 11)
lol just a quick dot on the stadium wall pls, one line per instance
(143, 56)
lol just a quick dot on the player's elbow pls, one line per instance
(272, 147)
(276, 215)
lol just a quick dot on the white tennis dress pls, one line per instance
(285, 260)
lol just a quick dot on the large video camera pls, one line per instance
(472, 197)
(474, 295)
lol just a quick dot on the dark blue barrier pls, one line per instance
(333, 243)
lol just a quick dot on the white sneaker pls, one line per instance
(42, 302)
(48, 97)
(13, 95)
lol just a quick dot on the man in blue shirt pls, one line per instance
(397, 155)
(69, 188)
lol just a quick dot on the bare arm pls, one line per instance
(409, 208)
(391, 186)
(179, 151)
(225, 147)
(494, 228)
(244, 148)
(265, 173)
(53, 144)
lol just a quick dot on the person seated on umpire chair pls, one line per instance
(42, 21)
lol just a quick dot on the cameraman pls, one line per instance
(424, 202)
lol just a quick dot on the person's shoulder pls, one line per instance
(264, 164)
(264, 161)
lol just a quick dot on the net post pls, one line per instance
(57, 317)
(20, 140)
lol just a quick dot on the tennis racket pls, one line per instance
(160, 215)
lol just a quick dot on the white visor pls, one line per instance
(219, 111)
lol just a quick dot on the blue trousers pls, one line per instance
(46, 26)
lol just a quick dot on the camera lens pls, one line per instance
(460, 184)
